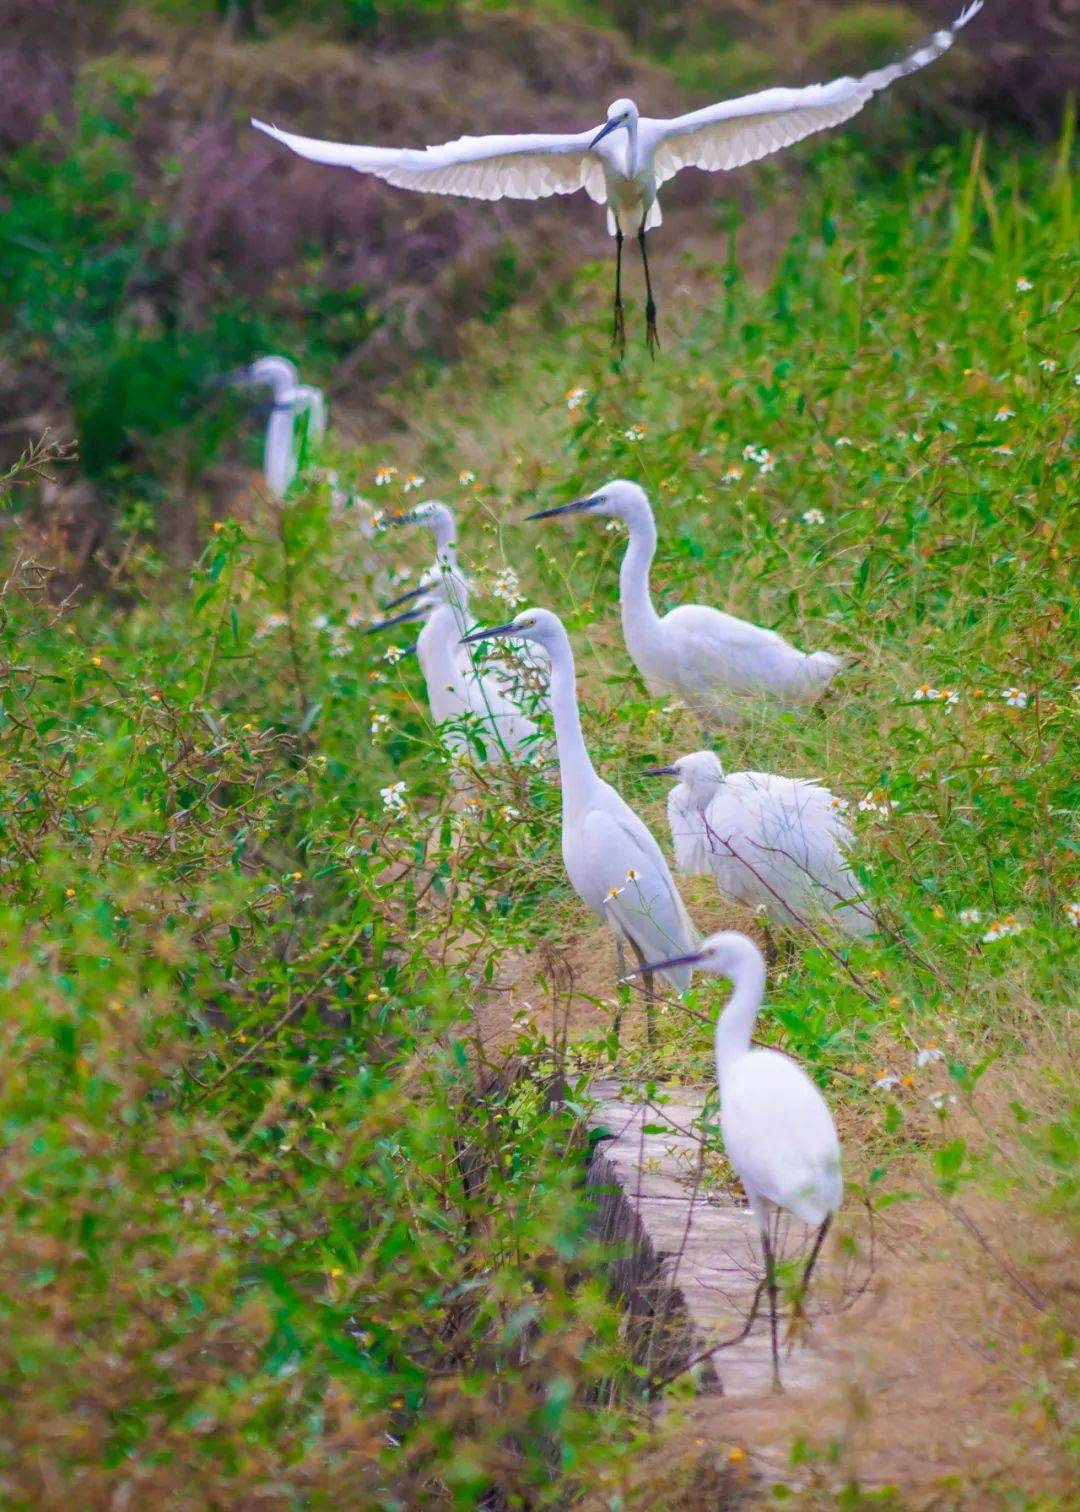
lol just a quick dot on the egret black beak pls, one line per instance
(489, 634)
(659, 772)
(579, 506)
(694, 959)
(228, 380)
(603, 132)
(410, 517)
(404, 598)
(398, 619)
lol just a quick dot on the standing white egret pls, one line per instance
(297, 409)
(710, 659)
(623, 163)
(474, 703)
(614, 864)
(777, 1129)
(777, 843)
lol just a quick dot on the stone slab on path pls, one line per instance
(690, 1257)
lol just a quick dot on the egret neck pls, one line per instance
(576, 771)
(640, 621)
(736, 1022)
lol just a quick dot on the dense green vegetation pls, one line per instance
(272, 1227)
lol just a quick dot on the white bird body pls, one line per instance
(770, 842)
(712, 660)
(613, 862)
(623, 162)
(777, 1129)
(297, 408)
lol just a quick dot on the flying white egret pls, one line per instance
(623, 163)
(776, 843)
(777, 1129)
(710, 659)
(297, 409)
(460, 694)
(614, 864)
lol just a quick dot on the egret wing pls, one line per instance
(780, 1136)
(477, 167)
(735, 132)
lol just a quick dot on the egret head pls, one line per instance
(619, 113)
(727, 954)
(277, 373)
(437, 585)
(701, 773)
(437, 516)
(619, 499)
(538, 625)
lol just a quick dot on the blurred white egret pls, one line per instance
(614, 864)
(777, 1129)
(709, 658)
(776, 843)
(439, 519)
(623, 163)
(298, 410)
(460, 694)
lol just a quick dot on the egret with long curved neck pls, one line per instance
(777, 1129)
(710, 659)
(297, 413)
(614, 865)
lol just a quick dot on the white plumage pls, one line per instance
(777, 1129)
(771, 842)
(613, 863)
(298, 414)
(623, 162)
(712, 660)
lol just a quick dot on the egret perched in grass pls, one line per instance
(485, 722)
(614, 864)
(777, 1129)
(622, 163)
(297, 415)
(776, 843)
(710, 659)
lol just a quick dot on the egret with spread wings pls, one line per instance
(623, 163)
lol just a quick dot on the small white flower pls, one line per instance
(1072, 913)
(509, 812)
(465, 477)
(732, 475)
(939, 1101)
(841, 805)
(356, 617)
(631, 874)
(613, 893)
(384, 475)
(970, 916)
(1001, 928)
(1024, 285)
(614, 525)
(393, 797)
(951, 696)
(813, 517)
(924, 693)
(379, 723)
(870, 805)
(1015, 698)
(885, 1081)
(843, 441)
(393, 654)
(1004, 451)
(635, 433)
(929, 1054)
(271, 623)
(1048, 365)
(575, 397)
(1004, 413)
(749, 453)
(413, 481)
(320, 621)
(507, 587)
(766, 461)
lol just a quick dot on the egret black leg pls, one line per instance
(814, 1253)
(651, 338)
(618, 330)
(770, 1282)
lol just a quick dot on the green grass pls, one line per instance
(257, 1224)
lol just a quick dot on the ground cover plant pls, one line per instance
(274, 1229)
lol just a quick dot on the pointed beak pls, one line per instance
(577, 507)
(604, 131)
(659, 772)
(404, 598)
(489, 634)
(398, 619)
(694, 959)
(228, 380)
(410, 517)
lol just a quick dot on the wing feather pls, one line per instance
(486, 167)
(735, 132)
